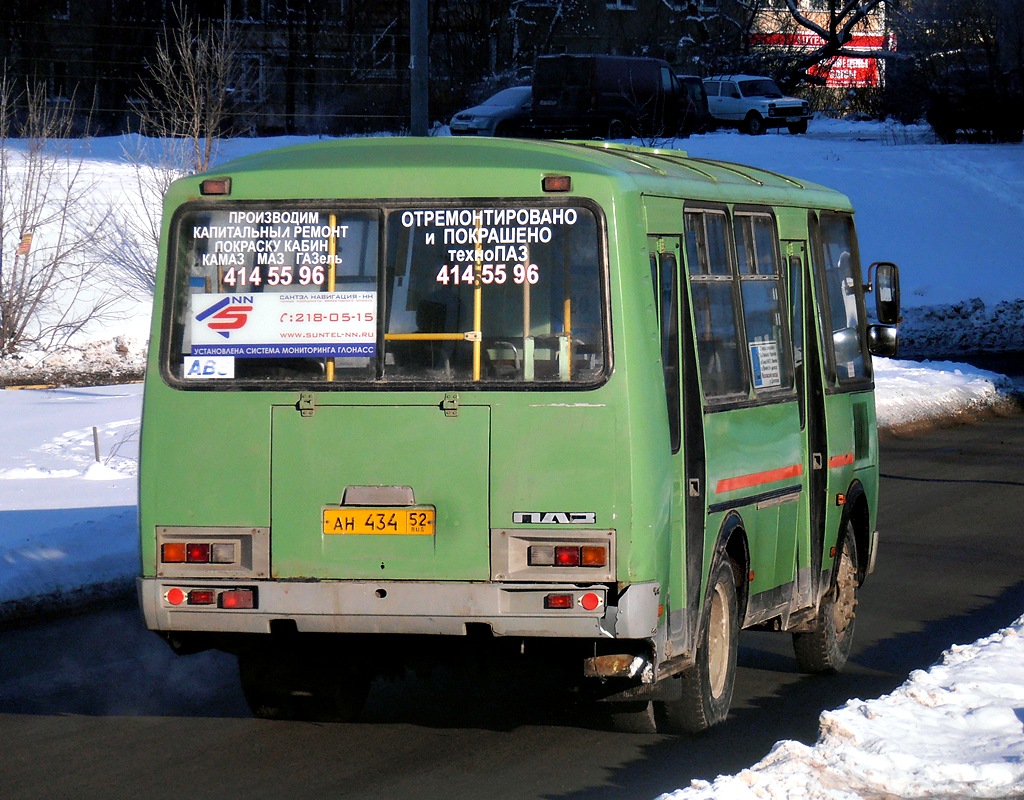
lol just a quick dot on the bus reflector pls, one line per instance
(590, 601)
(237, 598)
(558, 601)
(172, 553)
(197, 553)
(201, 597)
(175, 596)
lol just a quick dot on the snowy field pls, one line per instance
(951, 216)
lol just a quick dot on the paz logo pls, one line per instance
(227, 314)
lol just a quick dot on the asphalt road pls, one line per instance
(94, 706)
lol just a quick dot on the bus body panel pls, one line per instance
(442, 459)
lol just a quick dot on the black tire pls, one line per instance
(707, 686)
(754, 124)
(295, 686)
(617, 129)
(827, 649)
(797, 128)
(504, 129)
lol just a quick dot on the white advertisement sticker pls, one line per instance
(284, 324)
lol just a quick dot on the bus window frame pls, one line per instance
(744, 396)
(752, 396)
(833, 383)
(784, 391)
(174, 289)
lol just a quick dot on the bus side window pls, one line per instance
(713, 296)
(761, 290)
(666, 272)
(842, 301)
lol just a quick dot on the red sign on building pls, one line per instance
(838, 71)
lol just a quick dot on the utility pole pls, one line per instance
(418, 66)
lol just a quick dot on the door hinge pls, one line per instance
(450, 404)
(306, 404)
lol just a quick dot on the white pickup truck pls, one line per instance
(753, 104)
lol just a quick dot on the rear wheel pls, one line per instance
(828, 648)
(295, 685)
(708, 685)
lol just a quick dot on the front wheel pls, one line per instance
(754, 124)
(827, 649)
(707, 686)
(797, 128)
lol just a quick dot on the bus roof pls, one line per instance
(475, 166)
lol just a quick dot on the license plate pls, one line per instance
(417, 521)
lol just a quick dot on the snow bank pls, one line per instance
(953, 731)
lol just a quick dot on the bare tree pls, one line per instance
(186, 109)
(188, 91)
(127, 240)
(48, 281)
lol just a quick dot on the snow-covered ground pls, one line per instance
(950, 215)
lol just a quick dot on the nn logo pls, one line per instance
(554, 517)
(227, 314)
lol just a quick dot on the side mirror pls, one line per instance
(883, 340)
(886, 286)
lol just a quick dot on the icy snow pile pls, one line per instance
(910, 394)
(955, 730)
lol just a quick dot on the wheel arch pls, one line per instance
(858, 512)
(732, 545)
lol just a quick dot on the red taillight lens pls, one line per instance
(558, 601)
(237, 598)
(197, 553)
(201, 597)
(593, 556)
(566, 556)
(172, 553)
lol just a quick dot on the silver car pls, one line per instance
(500, 115)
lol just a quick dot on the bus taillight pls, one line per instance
(197, 553)
(221, 598)
(237, 598)
(566, 555)
(202, 597)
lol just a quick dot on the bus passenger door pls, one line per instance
(811, 397)
(686, 431)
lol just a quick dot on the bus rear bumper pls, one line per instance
(549, 610)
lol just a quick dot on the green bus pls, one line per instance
(598, 404)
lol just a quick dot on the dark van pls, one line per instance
(602, 96)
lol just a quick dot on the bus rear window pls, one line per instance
(401, 296)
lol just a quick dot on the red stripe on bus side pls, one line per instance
(759, 478)
(840, 461)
